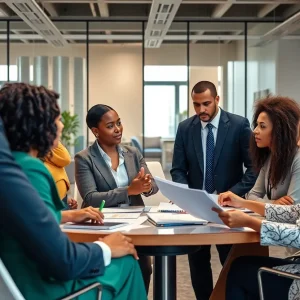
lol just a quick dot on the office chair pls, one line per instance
(9, 290)
(77, 196)
(275, 272)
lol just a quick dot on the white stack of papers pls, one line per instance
(198, 203)
(169, 219)
(121, 215)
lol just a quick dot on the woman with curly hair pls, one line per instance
(275, 152)
(32, 123)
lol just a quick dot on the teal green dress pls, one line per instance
(122, 278)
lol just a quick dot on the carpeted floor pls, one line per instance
(184, 286)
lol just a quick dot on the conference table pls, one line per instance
(165, 243)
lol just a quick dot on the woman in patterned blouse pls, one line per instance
(275, 152)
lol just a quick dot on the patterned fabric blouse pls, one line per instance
(282, 228)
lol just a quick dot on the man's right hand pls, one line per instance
(120, 245)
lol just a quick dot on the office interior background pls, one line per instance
(142, 57)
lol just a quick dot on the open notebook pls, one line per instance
(169, 207)
(175, 219)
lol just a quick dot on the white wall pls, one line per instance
(288, 66)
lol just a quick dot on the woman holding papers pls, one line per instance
(110, 172)
(32, 122)
(274, 149)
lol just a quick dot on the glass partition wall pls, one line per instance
(113, 63)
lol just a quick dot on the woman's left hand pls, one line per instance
(233, 218)
(87, 214)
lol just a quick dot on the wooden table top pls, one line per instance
(148, 235)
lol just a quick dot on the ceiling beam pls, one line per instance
(51, 9)
(104, 12)
(93, 9)
(184, 1)
(291, 11)
(200, 32)
(4, 13)
(139, 37)
(221, 9)
(266, 9)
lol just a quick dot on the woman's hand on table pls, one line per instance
(285, 200)
(83, 215)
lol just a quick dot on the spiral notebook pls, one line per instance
(169, 207)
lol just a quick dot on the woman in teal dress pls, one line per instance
(32, 122)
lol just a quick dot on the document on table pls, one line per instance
(198, 203)
(128, 209)
(121, 215)
(174, 219)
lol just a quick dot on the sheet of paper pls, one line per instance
(153, 209)
(198, 203)
(128, 209)
(121, 215)
(133, 224)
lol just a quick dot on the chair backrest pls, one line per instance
(155, 170)
(8, 289)
(77, 196)
(136, 143)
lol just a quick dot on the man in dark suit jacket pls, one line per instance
(210, 151)
(25, 217)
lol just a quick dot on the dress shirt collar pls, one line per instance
(215, 121)
(106, 157)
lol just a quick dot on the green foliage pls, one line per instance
(69, 133)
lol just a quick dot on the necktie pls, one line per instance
(210, 149)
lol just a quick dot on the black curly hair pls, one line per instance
(29, 113)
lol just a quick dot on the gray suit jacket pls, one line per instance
(95, 181)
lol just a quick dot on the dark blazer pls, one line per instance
(231, 153)
(95, 181)
(26, 219)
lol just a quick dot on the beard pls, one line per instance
(211, 116)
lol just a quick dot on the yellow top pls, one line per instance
(56, 163)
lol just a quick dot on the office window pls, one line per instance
(165, 99)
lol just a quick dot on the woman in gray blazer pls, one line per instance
(274, 149)
(110, 172)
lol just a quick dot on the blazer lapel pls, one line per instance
(129, 164)
(221, 137)
(197, 139)
(102, 166)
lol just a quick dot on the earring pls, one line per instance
(97, 135)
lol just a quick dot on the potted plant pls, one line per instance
(71, 126)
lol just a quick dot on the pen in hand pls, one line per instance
(102, 205)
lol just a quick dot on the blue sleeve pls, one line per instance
(180, 166)
(25, 216)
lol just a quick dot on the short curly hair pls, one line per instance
(29, 113)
